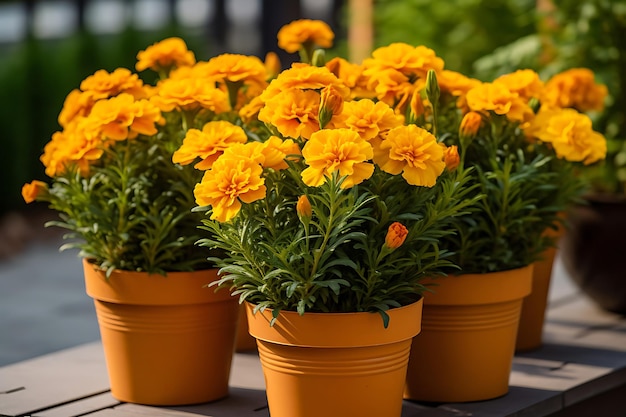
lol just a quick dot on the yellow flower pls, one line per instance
(367, 118)
(103, 84)
(303, 207)
(31, 190)
(294, 35)
(407, 59)
(570, 133)
(276, 151)
(164, 55)
(233, 179)
(396, 235)
(208, 144)
(294, 113)
(414, 152)
(236, 68)
(75, 145)
(76, 104)
(341, 150)
(451, 157)
(575, 88)
(498, 98)
(250, 111)
(351, 75)
(189, 94)
(525, 83)
(304, 77)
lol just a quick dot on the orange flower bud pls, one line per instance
(272, 65)
(396, 235)
(331, 103)
(32, 190)
(303, 207)
(416, 104)
(451, 157)
(469, 125)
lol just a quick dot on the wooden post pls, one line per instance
(360, 29)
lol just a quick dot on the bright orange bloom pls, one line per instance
(341, 150)
(575, 88)
(498, 98)
(451, 157)
(232, 180)
(412, 151)
(272, 65)
(367, 118)
(455, 83)
(294, 113)
(76, 104)
(396, 235)
(294, 35)
(103, 84)
(165, 55)
(525, 83)
(275, 152)
(236, 68)
(303, 207)
(208, 144)
(304, 77)
(31, 190)
(409, 60)
(570, 133)
(189, 94)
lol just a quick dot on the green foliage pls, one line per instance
(337, 259)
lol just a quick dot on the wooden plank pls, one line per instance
(246, 371)
(53, 379)
(80, 407)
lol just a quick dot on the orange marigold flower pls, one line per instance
(103, 84)
(396, 235)
(121, 117)
(304, 77)
(341, 150)
(208, 144)
(294, 35)
(407, 59)
(272, 65)
(412, 151)
(368, 118)
(498, 98)
(331, 104)
(575, 88)
(189, 94)
(31, 190)
(250, 111)
(236, 68)
(233, 179)
(294, 113)
(451, 157)
(525, 83)
(165, 55)
(390, 86)
(570, 133)
(455, 83)
(276, 151)
(303, 207)
(77, 145)
(76, 104)
(470, 124)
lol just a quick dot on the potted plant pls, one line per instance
(329, 212)
(127, 208)
(524, 149)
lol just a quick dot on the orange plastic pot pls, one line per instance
(167, 340)
(469, 326)
(335, 364)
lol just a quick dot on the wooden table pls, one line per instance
(580, 371)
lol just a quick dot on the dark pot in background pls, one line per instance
(593, 251)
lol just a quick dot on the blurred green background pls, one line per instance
(481, 38)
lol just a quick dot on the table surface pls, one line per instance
(583, 358)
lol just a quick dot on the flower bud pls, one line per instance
(319, 58)
(272, 65)
(469, 125)
(32, 190)
(303, 207)
(331, 103)
(396, 235)
(416, 106)
(432, 87)
(451, 157)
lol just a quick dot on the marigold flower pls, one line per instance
(276, 151)
(236, 68)
(272, 65)
(407, 59)
(76, 104)
(498, 98)
(103, 84)
(303, 207)
(525, 83)
(165, 55)
(232, 180)
(31, 190)
(396, 235)
(304, 77)
(189, 94)
(455, 83)
(368, 118)
(470, 124)
(412, 151)
(451, 157)
(351, 75)
(294, 113)
(341, 150)
(570, 133)
(575, 88)
(293, 36)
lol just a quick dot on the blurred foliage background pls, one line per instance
(481, 38)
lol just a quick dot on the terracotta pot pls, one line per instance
(593, 249)
(335, 364)
(167, 340)
(466, 347)
(532, 318)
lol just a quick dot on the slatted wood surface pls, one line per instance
(581, 367)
